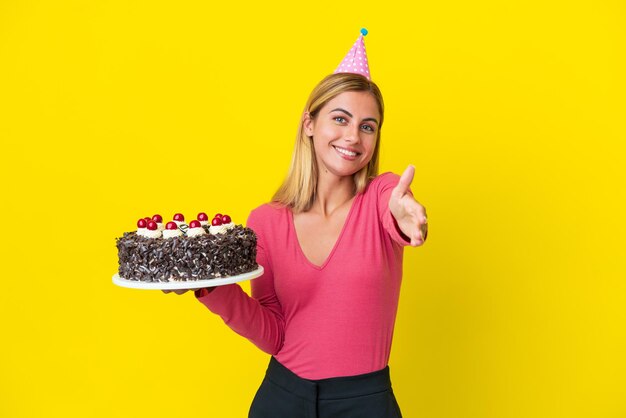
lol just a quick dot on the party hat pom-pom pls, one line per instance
(363, 31)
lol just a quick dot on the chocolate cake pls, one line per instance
(203, 255)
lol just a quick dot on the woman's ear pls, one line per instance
(307, 124)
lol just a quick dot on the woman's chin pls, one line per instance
(344, 171)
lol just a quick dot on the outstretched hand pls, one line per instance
(177, 291)
(409, 214)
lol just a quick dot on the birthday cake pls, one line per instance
(178, 251)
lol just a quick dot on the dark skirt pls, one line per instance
(285, 395)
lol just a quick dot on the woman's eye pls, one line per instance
(340, 119)
(367, 128)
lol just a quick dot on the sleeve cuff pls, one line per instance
(205, 295)
(200, 293)
(391, 225)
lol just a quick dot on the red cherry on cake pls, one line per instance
(202, 217)
(171, 225)
(179, 217)
(225, 219)
(152, 226)
(216, 221)
(147, 219)
(142, 223)
(157, 218)
(194, 224)
(218, 215)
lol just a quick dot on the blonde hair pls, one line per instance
(299, 187)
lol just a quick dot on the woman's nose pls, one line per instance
(353, 133)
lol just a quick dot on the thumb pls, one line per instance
(405, 181)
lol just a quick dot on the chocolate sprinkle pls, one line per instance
(187, 258)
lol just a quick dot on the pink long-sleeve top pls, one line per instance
(324, 321)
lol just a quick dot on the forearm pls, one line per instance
(262, 324)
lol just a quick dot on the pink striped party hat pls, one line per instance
(356, 59)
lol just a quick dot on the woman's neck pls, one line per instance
(332, 193)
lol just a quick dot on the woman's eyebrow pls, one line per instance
(350, 114)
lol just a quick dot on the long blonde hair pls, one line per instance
(299, 187)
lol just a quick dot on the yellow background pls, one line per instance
(512, 112)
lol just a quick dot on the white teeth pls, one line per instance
(346, 152)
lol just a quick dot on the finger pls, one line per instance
(424, 226)
(417, 239)
(405, 181)
(421, 223)
(165, 291)
(180, 291)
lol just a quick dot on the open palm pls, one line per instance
(409, 214)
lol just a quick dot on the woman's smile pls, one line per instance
(346, 153)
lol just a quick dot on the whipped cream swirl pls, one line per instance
(152, 234)
(195, 232)
(171, 233)
(221, 229)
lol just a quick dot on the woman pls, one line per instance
(331, 244)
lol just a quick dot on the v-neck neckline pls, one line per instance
(333, 250)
